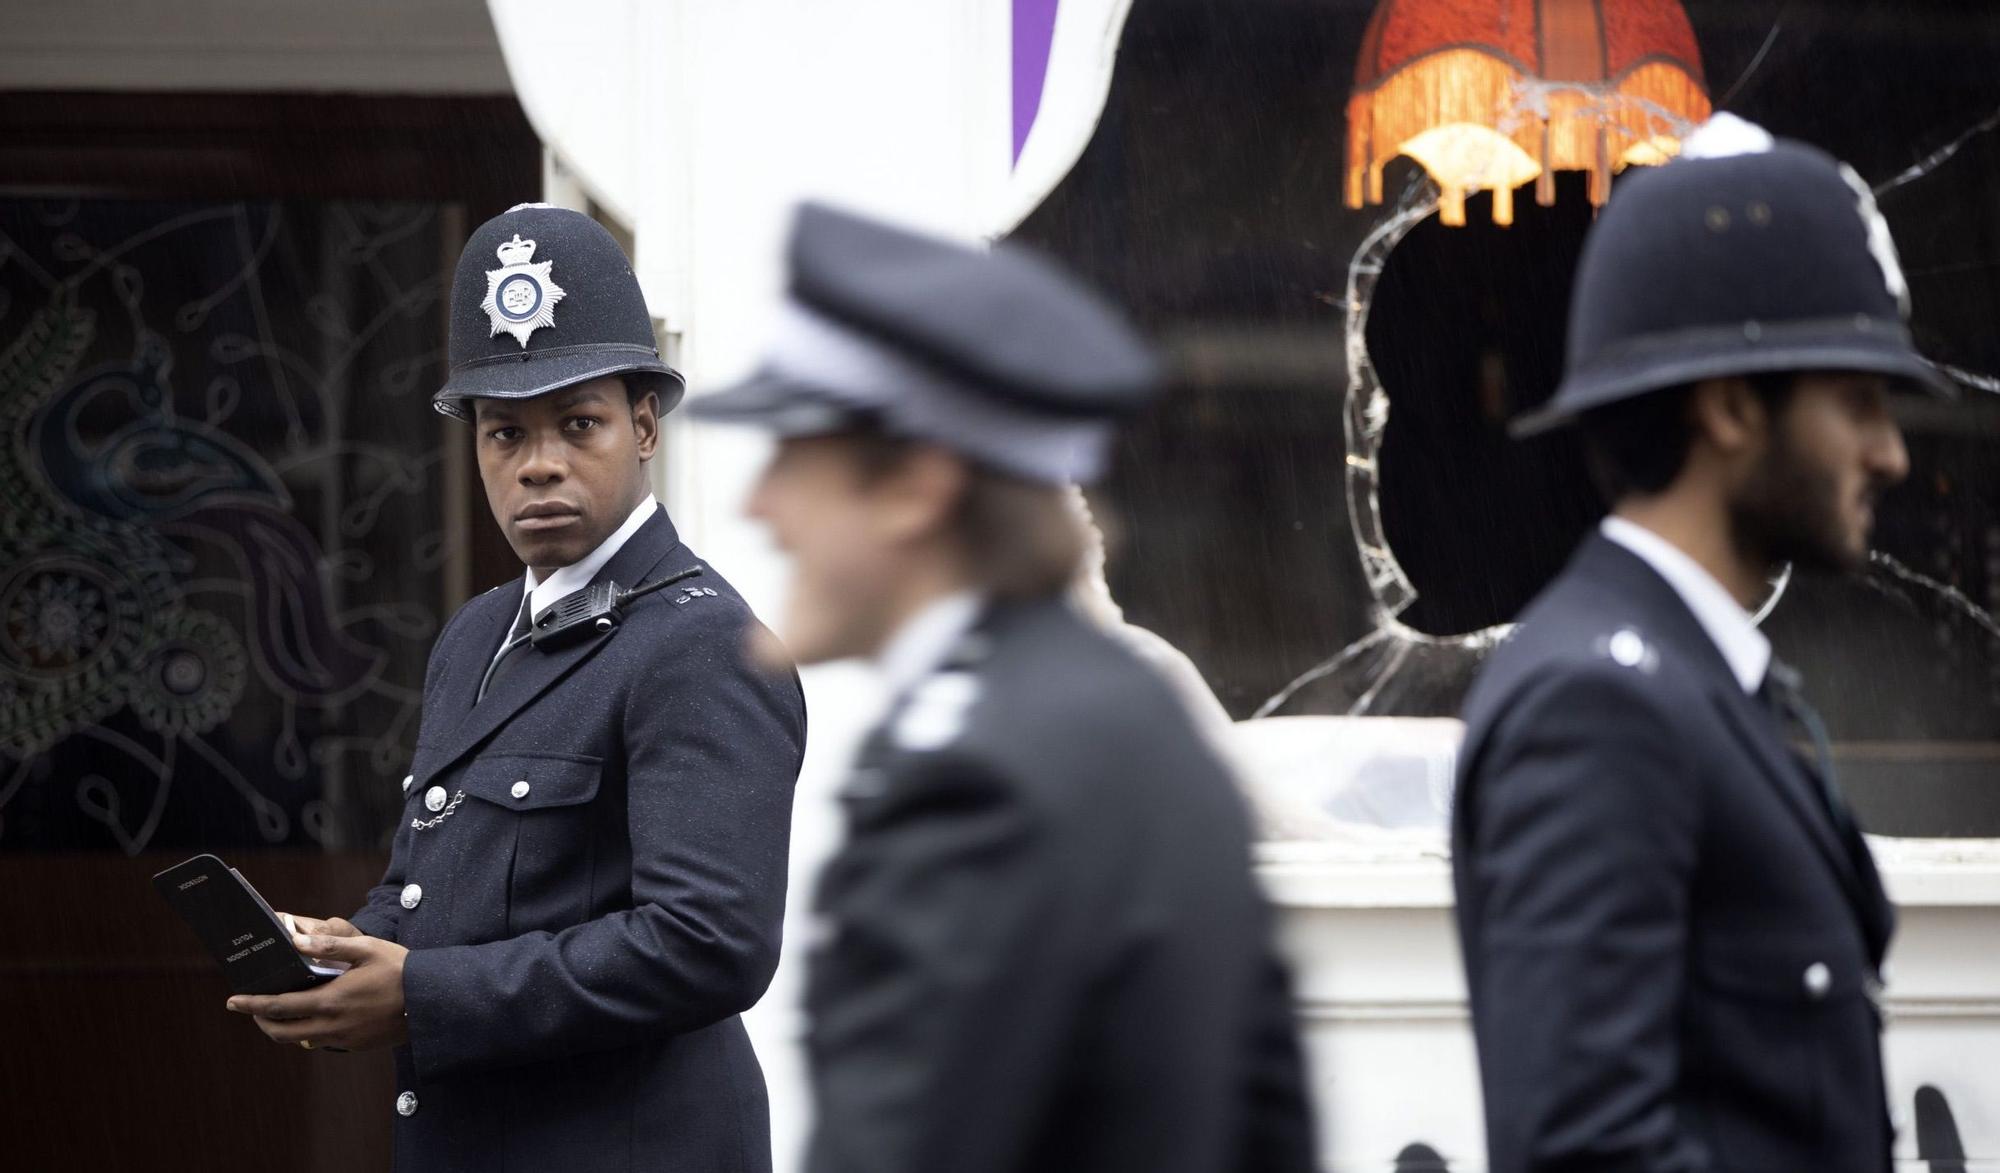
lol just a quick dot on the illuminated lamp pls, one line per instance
(1489, 94)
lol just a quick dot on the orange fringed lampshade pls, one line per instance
(1489, 94)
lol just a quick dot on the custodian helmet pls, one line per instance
(543, 299)
(1747, 254)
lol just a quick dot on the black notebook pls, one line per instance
(249, 940)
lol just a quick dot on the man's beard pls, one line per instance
(1789, 511)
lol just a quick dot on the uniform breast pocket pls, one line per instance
(1782, 1033)
(547, 802)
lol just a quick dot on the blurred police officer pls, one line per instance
(1042, 947)
(588, 874)
(1672, 928)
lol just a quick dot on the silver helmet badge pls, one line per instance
(521, 297)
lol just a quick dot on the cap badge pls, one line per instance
(521, 297)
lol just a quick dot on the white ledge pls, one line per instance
(1405, 870)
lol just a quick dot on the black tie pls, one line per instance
(510, 652)
(1807, 733)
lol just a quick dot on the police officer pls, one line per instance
(1041, 947)
(588, 873)
(1672, 929)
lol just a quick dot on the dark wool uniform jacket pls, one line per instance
(1042, 945)
(1671, 944)
(603, 895)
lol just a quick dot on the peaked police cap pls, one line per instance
(994, 353)
(544, 299)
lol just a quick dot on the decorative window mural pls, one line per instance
(225, 544)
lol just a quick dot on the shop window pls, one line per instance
(1212, 199)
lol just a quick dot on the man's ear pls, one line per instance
(1730, 415)
(646, 423)
(922, 492)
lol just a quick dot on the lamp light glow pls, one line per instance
(1488, 95)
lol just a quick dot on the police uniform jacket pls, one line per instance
(594, 893)
(1671, 940)
(1041, 946)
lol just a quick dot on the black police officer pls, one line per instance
(1041, 946)
(588, 877)
(1672, 927)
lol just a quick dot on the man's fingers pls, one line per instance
(317, 1030)
(312, 926)
(354, 950)
(277, 1007)
(330, 927)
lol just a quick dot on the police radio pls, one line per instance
(592, 611)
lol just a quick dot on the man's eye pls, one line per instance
(582, 423)
(503, 434)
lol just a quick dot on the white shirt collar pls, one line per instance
(925, 639)
(577, 575)
(1729, 626)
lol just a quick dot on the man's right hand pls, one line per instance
(334, 927)
(310, 927)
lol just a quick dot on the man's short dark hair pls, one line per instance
(1638, 446)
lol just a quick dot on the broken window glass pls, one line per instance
(1328, 516)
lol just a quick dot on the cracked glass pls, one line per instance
(1328, 516)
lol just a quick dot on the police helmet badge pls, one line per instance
(521, 297)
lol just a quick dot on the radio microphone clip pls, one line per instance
(592, 611)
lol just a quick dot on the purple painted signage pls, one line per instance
(1034, 28)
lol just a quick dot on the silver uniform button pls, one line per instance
(434, 799)
(406, 1104)
(1627, 648)
(409, 780)
(412, 893)
(1819, 979)
(520, 789)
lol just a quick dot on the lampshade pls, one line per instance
(1489, 94)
